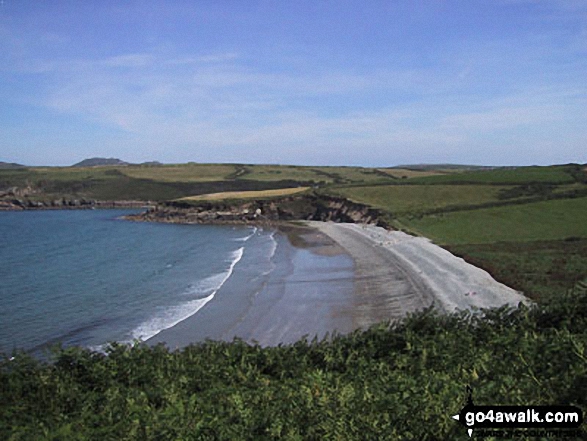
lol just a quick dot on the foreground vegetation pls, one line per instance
(390, 382)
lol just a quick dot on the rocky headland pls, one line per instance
(306, 207)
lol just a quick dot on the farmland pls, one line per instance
(547, 220)
(512, 175)
(414, 199)
(263, 194)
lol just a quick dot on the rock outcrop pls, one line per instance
(313, 207)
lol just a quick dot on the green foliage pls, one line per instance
(400, 381)
(541, 269)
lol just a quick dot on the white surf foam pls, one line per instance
(244, 239)
(175, 314)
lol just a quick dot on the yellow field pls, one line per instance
(263, 194)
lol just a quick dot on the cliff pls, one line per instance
(306, 207)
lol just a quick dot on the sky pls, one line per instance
(307, 82)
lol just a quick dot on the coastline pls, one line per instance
(336, 278)
(309, 292)
(68, 204)
(399, 273)
(327, 277)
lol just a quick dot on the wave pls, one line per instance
(273, 245)
(271, 254)
(175, 314)
(244, 239)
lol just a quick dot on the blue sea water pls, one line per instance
(87, 278)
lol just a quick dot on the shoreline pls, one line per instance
(308, 292)
(391, 275)
(431, 275)
(67, 204)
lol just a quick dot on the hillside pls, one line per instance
(99, 162)
(10, 165)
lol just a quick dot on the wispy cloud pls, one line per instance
(175, 100)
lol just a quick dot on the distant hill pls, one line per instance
(445, 167)
(98, 162)
(6, 165)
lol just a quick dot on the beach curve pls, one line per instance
(397, 274)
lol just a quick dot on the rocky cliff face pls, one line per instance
(322, 208)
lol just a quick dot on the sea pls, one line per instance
(88, 278)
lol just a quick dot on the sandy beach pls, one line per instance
(309, 292)
(334, 277)
(397, 273)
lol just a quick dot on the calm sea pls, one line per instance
(87, 278)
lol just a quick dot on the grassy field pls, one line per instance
(548, 220)
(415, 199)
(182, 172)
(541, 269)
(405, 173)
(157, 183)
(262, 194)
(518, 175)
(324, 175)
(284, 172)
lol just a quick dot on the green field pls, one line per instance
(182, 172)
(324, 175)
(517, 175)
(414, 199)
(548, 220)
(541, 269)
(526, 226)
(405, 173)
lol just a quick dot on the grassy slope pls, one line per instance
(547, 220)
(519, 175)
(412, 199)
(182, 172)
(542, 269)
(123, 183)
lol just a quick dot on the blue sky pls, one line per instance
(378, 83)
